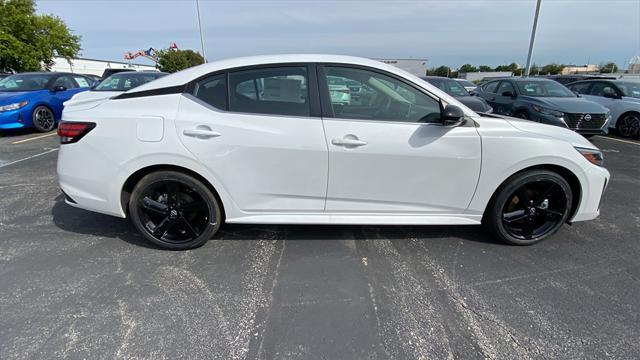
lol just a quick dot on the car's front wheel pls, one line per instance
(43, 119)
(529, 207)
(174, 210)
(629, 125)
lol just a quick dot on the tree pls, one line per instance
(439, 71)
(485, 68)
(28, 42)
(172, 60)
(609, 67)
(552, 69)
(467, 68)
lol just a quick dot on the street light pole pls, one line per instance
(533, 37)
(204, 55)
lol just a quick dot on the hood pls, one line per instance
(10, 97)
(474, 103)
(556, 132)
(569, 104)
(88, 99)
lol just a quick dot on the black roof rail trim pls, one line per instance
(153, 92)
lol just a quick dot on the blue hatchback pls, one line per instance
(36, 99)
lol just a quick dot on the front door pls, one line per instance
(388, 153)
(262, 144)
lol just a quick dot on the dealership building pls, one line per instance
(93, 66)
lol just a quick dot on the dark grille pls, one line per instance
(578, 121)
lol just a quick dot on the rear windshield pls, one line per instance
(126, 80)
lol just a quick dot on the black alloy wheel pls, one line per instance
(522, 115)
(174, 210)
(629, 125)
(530, 207)
(43, 119)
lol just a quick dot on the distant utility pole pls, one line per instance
(204, 55)
(533, 38)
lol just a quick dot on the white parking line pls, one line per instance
(33, 138)
(28, 157)
(619, 140)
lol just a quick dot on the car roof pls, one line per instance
(184, 76)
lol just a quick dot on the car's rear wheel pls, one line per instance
(529, 207)
(629, 125)
(43, 119)
(522, 115)
(174, 210)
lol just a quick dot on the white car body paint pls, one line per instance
(285, 169)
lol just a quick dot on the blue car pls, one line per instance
(35, 99)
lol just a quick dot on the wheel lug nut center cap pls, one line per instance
(173, 213)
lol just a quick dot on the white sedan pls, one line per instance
(257, 140)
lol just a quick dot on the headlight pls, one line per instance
(552, 112)
(592, 155)
(14, 106)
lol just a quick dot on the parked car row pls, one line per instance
(35, 100)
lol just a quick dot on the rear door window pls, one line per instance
(580, 88)
(213, 91)
(490, 87)
(277, 91)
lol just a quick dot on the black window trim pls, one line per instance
(312, 87)
(327, 109)
(515, 88)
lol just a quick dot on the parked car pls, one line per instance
(36, 99)
(621, 97)
(96, 79)
(545, 101)
(455, 89)
(2, 76)
(566, 79)
(339, 92)
(117, 84)
(188, 152)
(108, 72)
(468, 85)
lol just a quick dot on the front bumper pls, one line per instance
(592, 192)
(13, 119)
(553, 120)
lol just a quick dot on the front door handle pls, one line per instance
(348, 141)
(201, 132)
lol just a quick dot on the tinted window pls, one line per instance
(126, 80)
(629, 88)
(213, 91)
(82, 81)
(504, 87)
(280, 91)
(380, 98)
(601, 88)
(490, 87)
(25, 82)
(66, 81)
(539, 88)
(580, 88)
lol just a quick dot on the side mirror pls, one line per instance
(508, 93)
(59, 88)
(452, 116)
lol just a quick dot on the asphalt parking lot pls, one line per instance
(75, 284)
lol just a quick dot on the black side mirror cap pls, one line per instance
(58, 88)
(452, 116)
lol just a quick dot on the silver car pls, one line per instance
(621, 97)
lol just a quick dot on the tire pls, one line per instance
(521, 115)
(43, 119)
(628, 125)
(509, 215)
(174, 211)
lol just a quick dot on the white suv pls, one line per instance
(621, 97)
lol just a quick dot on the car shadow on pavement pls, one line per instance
(74, 220)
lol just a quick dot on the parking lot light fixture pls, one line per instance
(533, 37)
(204, 55)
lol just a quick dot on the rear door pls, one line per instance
(504, 104)
(389, 153)
(264, 141)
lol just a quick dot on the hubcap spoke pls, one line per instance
(161, 229)
(514, 216)
(188, 226)
(154, 206)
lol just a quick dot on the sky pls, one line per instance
(452, 32)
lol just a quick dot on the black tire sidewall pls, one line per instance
(35, 123)
(204, 191)
(494, 217)
(623, 118)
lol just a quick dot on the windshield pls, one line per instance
(451, 87)
(629, 88)
(25, 82)
(126, 80)
(544, 89)
(466, 83)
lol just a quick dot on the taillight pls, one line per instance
(71, 132)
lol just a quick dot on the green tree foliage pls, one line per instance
(485, 68)
(28, 41)
(552, 69)
(609, 67)
(439, 71)
(467, 68)
(171, 60)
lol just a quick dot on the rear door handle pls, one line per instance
(201, 132)
(348, 141)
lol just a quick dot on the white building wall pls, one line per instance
(417, 67)
(93, 67)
